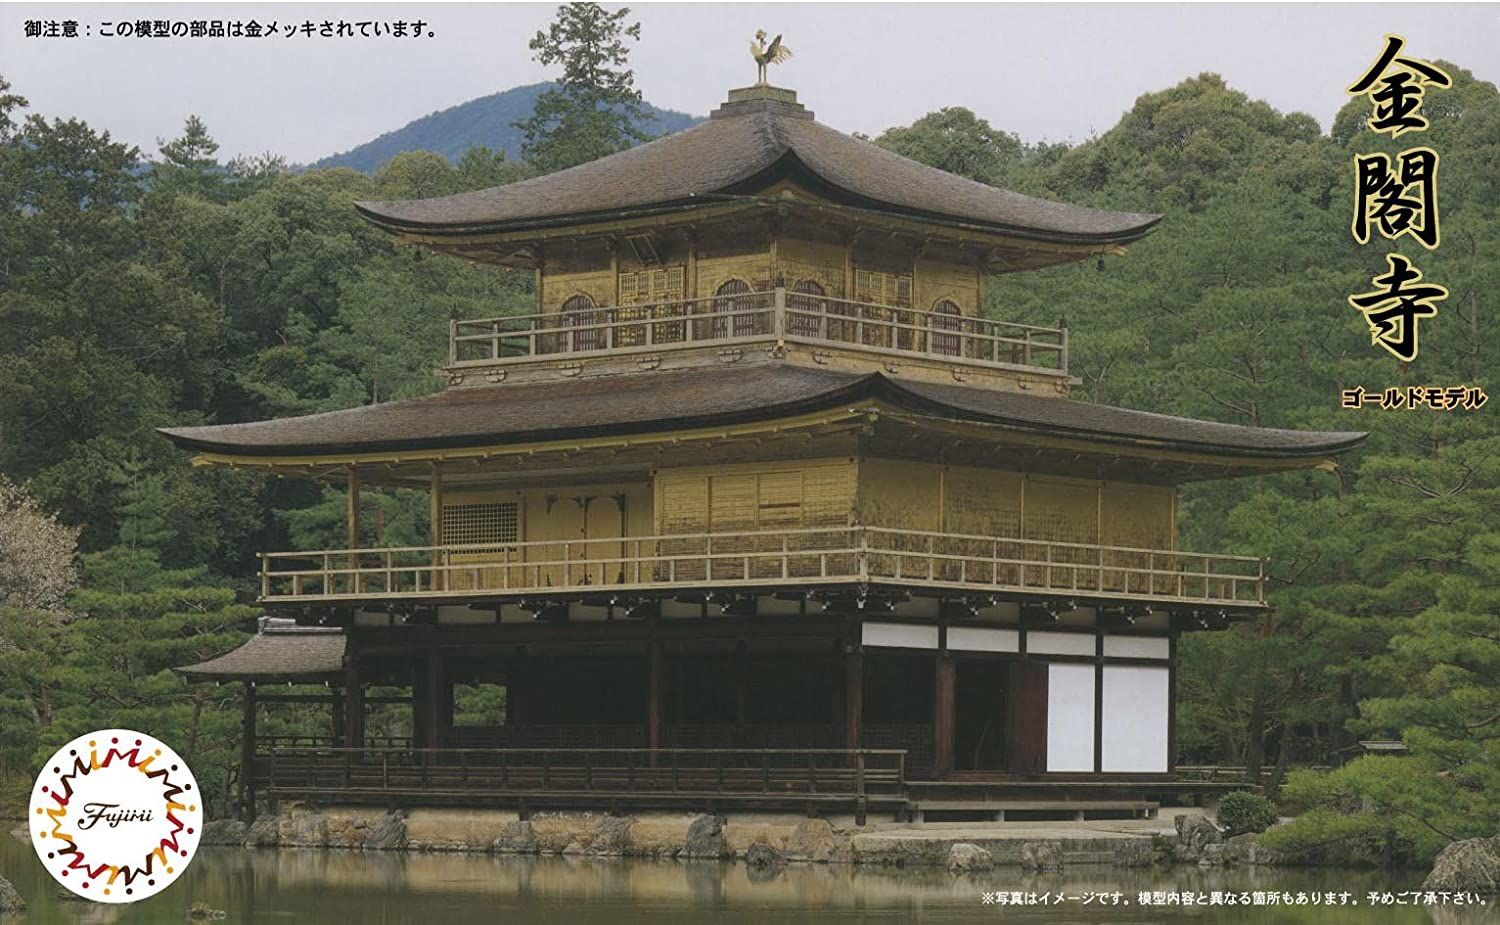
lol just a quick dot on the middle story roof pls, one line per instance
(677, 400)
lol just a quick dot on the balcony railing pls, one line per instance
(803, 558)
(772, 315)
(652, 776)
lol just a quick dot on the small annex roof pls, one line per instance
(683, 399)
(744, 147)
(277, 653)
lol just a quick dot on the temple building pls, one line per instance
(758, 508)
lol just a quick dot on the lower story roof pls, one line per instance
(682, 399)
(277, 653)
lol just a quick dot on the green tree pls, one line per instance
(595, 109)
(956, 140)
(9, 103)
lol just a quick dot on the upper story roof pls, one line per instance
(761, 136)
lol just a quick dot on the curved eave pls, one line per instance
(184, 438)
(1337, 442)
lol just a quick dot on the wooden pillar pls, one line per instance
(854, 695)
(420, 713)
(351, 517)
(432, 701)
(541, 273)
(246, 788)
(352, 514)
(515, 691)
(354, 705)
(849, 266)
(340, 723)
(942, 719)
(614, 272)
(653, 688)
(741, 686)
(439, 580)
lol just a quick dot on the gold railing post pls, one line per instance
(778, 313)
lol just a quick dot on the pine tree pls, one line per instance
(188, 166)
(596, 109)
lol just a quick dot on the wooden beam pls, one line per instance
(352, 514)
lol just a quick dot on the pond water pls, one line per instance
(347, 887)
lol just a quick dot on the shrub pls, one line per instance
(1241, 812)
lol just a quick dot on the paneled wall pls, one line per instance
(942, 279)
(905, 494)
(586, 517)
(724, 499)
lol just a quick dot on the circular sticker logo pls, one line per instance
(115, 816)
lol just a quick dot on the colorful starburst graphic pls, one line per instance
(115, 816)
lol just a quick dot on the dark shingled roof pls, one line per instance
(277, 653)
(744, 147)
(701, 397)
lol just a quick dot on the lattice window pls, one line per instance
(496, 523)
(578, 312)
(882, 288)
(735, 296)
(807, 304)
(661, 284)
(947, 316)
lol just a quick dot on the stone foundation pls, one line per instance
(691, 836)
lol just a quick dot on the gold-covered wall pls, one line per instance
(668, 265)
(570, 521)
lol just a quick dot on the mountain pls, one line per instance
(484, 121)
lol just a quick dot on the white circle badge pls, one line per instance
(115, 816)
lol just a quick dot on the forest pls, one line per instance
(140, 291)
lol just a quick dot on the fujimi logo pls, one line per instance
(112, 814)
(115, 816)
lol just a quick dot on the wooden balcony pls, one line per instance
(777, 316)
(772, 559)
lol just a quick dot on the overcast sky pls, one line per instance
(1054, 72)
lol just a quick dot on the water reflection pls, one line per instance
(457, 889)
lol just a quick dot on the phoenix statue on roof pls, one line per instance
(764, 54)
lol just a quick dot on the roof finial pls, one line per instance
(764, 54)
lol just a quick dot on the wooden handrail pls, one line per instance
(775, 314)
(764, 557)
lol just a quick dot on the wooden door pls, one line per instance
(1026, 718)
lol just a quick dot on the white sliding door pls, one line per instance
(1070, 717)
(1135, 718)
